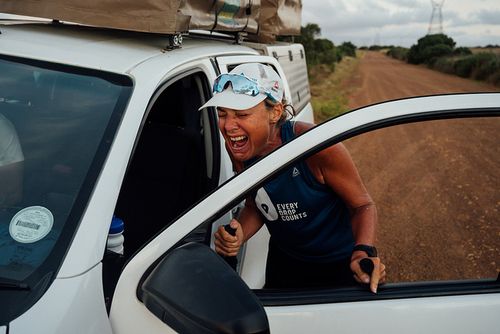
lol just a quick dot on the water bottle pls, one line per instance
(115, 236)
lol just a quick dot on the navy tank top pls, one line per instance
(306, 219)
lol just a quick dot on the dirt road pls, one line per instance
(436, 184)
(381, 78)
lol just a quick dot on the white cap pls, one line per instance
(265, 76)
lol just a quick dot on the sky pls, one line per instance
(402, 22)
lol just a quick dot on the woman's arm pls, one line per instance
(335, 168)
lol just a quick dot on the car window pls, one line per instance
(57, 124)
(437, 196)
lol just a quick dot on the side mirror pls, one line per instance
(193, 290)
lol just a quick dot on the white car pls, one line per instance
(108, 124)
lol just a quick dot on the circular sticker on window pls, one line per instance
(31, 224)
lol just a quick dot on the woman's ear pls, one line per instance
(276, 113)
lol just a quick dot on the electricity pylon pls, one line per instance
(437, 15)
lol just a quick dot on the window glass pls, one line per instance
(56, 123)
(437, 194)
(437, 191)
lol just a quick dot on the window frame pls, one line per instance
(404, 290)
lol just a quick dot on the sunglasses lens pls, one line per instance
(220, 83)
(239, 83)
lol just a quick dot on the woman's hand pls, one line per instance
(377, 276)
(225, 243)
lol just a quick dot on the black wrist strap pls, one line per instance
(371, 251)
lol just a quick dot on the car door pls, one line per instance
(412, 307)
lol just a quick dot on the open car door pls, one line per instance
(464, 306)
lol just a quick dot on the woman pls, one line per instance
(318, 212)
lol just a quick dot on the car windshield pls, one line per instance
(56, 126)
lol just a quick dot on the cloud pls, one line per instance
(489, 17)
(372, 14)
(397, 21)
(369, 22)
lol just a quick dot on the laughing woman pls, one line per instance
(320, 216)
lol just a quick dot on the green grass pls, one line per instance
(328, 90)
(326, 109)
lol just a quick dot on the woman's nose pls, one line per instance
(231, 123)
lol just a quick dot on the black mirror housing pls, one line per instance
(193, 290)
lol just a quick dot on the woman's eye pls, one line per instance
(243, 115)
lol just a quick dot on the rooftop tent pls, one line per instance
(279, 17)
(261, 19)
(160, 16)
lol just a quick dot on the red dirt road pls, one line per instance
(436, 184)
(381, 78)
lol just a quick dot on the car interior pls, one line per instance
(169, 169)
(174, 164)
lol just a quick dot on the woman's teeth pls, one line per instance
(238, 141)
(237, 138)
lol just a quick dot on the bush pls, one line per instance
(464, 66)
(445, 65)
(462, 51)
(438, 52)
(398, 53)
(431, 53)
(338, 55)
(348, 49)
(430, 47)
(481, 66)
(486, 64)
(321, 50)
(414, 55)
(375, 48)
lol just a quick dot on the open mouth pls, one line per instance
(238, 142)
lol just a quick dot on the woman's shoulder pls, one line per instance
(300, 127)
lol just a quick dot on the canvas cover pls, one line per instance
(279, 17)
(159, 16)
(263, 19)
(220, 15)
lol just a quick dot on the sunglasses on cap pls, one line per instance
(241, 84)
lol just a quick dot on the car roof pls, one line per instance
(99, 48)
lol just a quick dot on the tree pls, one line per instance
(322, 50)
(318, 50)
(429, 48)
(348, 49)
(307, 35)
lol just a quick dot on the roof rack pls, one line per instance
(238, 37)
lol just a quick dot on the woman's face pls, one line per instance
(247, 132)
